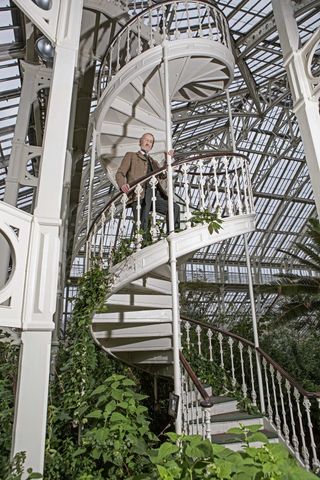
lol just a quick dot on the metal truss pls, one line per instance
(265, 129)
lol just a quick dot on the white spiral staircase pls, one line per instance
(137, 325)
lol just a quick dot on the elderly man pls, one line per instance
(137, 165)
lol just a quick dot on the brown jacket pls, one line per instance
(134, 166)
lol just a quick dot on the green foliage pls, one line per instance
(192, 458)
(123, 250)
(301, 293)
(81, 367)
(205, 216)
(116, 432)
(15, 469)
(9, 357)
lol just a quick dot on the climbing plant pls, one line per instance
(9, 356)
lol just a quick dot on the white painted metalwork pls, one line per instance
(239, 366)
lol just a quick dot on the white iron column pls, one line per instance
(304, 87)
(254, 324)
(34, 78)
(172, 244)
(43, 261)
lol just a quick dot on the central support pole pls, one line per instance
(172, 243)
(254, 324)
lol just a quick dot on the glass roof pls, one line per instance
(265, 129)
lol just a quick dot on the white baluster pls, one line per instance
(216, 25)
(305, 453)
(229, 203)
(154, 230)
(151, 39)
(208, 11)
(164, 20)
(245, 185)
(201, 186)
(244, 384)
(295, 441)
(250, 194)
(283, 410)
(118, 54)
(185, 169)
(315, 460)
(103, 229)
(253, 391)
(215, 179)
(187, 327)
(188, 20)
(198, 330)
(112, 211)
(220, 338)
(233, 380)
(192, 414)
(198, 407)
(200, 21)
(210, 335)
(188, 406)
(275, 401)
(183, 402)
(124, 199)
(110, 64)
(238, 192)
(138, 190)
(270, 410)
(139, 47)
(221, 18)
(128, 56)
(207, 422)
(176, 30)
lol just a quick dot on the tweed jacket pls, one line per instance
(133, 166)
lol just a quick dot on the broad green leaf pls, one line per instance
(118, 417)
(164, 473)
(94, 414)
(167, 449)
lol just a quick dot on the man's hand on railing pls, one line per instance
(125, 188)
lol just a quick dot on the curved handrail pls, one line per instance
(177, 163)
(160, 4)
(207, 400)
(250, 344)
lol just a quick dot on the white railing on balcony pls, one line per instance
(218, 183)
(291, 410)
(169, 20)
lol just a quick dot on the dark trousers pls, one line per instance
(161, 207)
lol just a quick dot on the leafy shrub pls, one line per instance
(192, 458)
(116, 433)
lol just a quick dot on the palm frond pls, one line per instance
(300, 307)
(313, 252)
(291, 285)
(304, 261)
(314, 230)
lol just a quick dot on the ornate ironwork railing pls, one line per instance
(217, 183)
(196, 402)
(168, 20)
(290, 409)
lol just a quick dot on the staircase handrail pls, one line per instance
(206, 399)
(177, 163)
(160, 4)
(248, 343)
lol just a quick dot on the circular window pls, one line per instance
(6, 261)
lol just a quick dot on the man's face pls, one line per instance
(146, 142)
